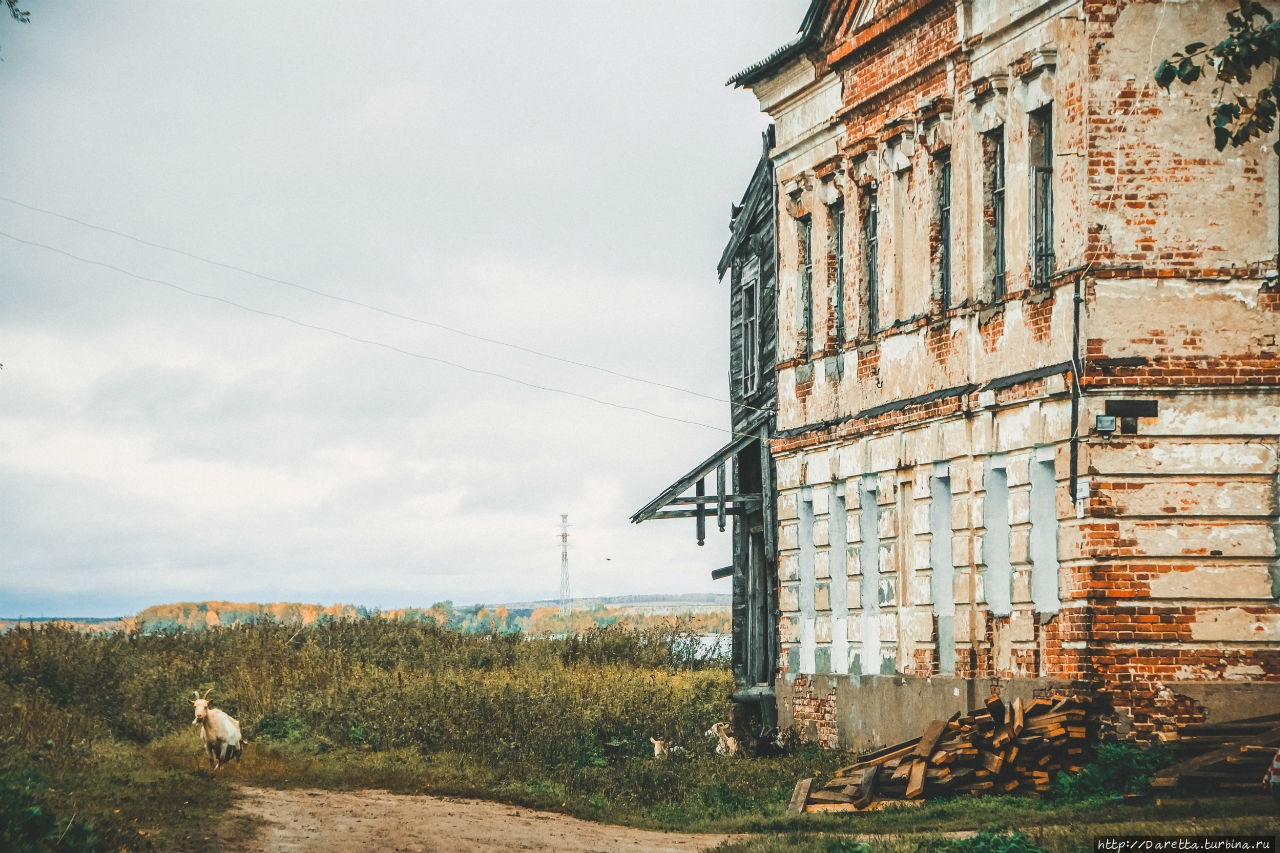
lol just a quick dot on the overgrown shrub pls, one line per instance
(28, 824)
(402, 704)
(1115, 768)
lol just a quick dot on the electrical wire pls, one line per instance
(369, 306)
(361, 340)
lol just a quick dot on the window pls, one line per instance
(805, 231)
(835, 263)
(1044, 537)
(997, 579)
(1041, 157)
(993, 155)
(942, 575)
(807, 569)
(750, 344)
(838, 537)
(944, 233)
(870, 259)
(869, 567)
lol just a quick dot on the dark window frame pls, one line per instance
(871, 259)
(944, 232)
(749, 300)
(1042, 250)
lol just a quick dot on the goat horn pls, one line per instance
(195, 693)
(206, 693)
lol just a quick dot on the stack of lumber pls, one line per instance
(996, 749)
(1234, 754)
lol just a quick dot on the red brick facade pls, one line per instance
(1138, 560)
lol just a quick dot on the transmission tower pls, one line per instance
(564, 565)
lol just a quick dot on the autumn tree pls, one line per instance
(1244, 107)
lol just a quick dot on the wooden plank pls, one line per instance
(896, 751)
(915, 783)
(1019, 716)
(825, 796)
(995, 707)
(800, 796)
(830, 807)
(865, 789)
(931, 735)
(1267, 721)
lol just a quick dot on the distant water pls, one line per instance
(712, 646)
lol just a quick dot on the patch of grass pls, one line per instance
(104, 724)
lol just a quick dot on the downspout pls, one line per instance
(1075, 390)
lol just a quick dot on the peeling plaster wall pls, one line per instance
(1158, 583)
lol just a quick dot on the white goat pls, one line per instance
(220, 731)
(728, 744)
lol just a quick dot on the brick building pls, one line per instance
(1027, 378)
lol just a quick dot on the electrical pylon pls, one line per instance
(564, 565)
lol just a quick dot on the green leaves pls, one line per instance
(1253, 43)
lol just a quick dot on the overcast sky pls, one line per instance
(555, 175)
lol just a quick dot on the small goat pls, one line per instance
(728, 744)
(220, 731)
(661, 749)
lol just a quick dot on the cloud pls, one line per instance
(556, 175)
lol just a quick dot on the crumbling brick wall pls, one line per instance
(1164, 532)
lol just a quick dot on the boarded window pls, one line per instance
(869, 562)
(942, 570)
(997, 578)
(804, 229)
(993, 211)
(835, 264)
(837, 525)
(1044, 537)
(808, 611)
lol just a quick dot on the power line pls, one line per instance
(368, 306)
(361, 340)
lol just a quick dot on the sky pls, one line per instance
(234, 238)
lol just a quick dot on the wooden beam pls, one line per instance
(689, 513)
(924, 749)
(800, 796)
(744, 500)
(700, 514)
(720, 496)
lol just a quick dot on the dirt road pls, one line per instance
(332, 821)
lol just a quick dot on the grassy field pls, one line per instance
(97, 750)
